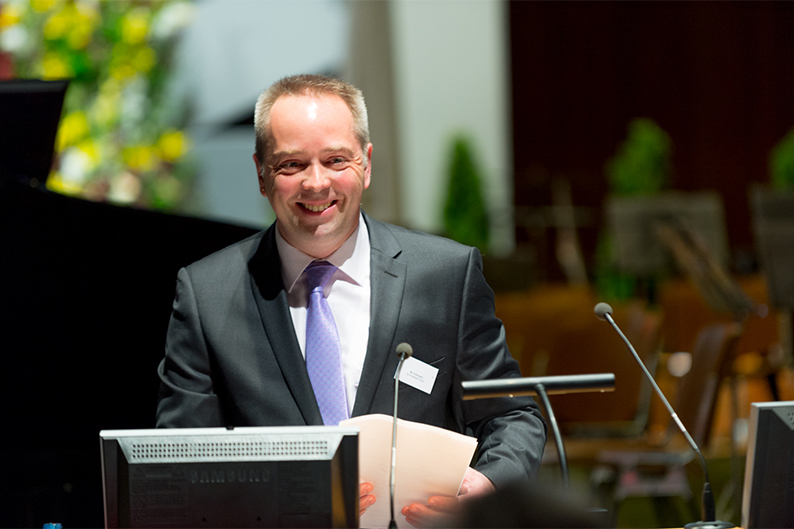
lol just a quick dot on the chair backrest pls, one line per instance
(595, 347)
(697, 391)
(552, 330)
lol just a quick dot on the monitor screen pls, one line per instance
(768, 498)
(246, 477)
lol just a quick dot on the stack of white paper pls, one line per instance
(431, 461)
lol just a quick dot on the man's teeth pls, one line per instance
(317, 207)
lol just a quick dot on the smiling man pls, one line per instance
(298, 324)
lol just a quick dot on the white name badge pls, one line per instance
(418, 374)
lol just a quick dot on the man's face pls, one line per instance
(316, 172)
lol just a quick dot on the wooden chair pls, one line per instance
(552, 330)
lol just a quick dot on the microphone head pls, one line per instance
(405, 349)
(602, 309)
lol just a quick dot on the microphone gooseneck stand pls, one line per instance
(542, 387)
(708, 511)
(541, 390)
(404, 351)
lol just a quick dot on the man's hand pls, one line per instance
(440, 510)
(367, 499)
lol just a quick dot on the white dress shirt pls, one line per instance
(348, 295)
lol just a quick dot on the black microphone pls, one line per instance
(404, 351)
(604, 312)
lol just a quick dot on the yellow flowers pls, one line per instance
(56, 25)
(54, 66)
(173, 144)
(91, 150)
(119, 137)
(140, 157)
(74, 22)
(126, 63)
(74, 127)
(10, 15)
(170, 147)
(42, 6)
(135, 26)
(56, 182)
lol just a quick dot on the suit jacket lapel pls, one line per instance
(271, 300)
(387, 283)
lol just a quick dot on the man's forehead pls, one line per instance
(292, 100)
(309, 109)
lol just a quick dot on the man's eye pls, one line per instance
(337, 160)
(289, 166)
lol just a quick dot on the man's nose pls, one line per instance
(316, 178)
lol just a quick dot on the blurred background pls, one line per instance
(640, 153)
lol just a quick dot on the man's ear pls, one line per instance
(260, 174)
(368, 170)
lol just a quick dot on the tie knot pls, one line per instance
(318, 273)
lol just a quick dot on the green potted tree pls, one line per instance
(465, 210)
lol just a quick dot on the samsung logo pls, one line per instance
(238, 475)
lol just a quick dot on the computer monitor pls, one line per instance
(768, 498)
(244, 477)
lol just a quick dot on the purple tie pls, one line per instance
(322, 347)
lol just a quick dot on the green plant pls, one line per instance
(465, 212)
(781, 162)
(642, 162)
(121, 138)
(641, 166)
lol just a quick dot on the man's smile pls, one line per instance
(317, 208)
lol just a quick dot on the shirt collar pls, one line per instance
(352, 258)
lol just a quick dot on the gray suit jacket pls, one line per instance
(232, 357)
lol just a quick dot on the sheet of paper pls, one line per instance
(431, 461)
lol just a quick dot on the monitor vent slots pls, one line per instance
(190, 450)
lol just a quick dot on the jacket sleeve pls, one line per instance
(187, 396)
(511, 431)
